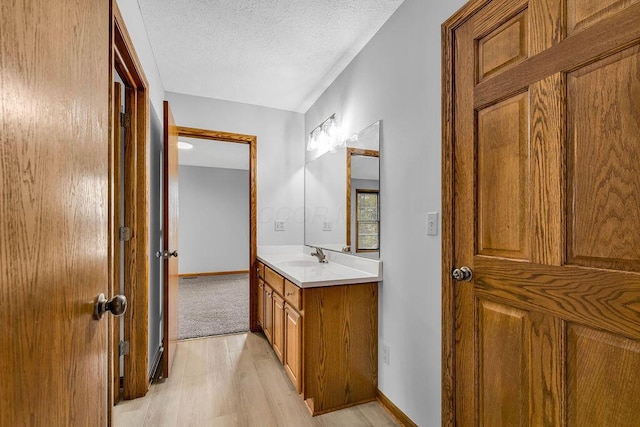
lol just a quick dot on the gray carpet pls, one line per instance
(213, 305)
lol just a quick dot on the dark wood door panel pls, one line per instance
(502, 177)
(504, 47)
(602, 378)
(582, 14)
(503, 389)
(599, 298)
(520, 366)
(603, 39)
(604, 163)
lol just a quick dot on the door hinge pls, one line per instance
(123, 348)
(125, 234)
(125, 119)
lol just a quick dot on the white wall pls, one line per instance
(213, 224)
(132, 16)
(396, 78)
(325, 200)
(280, 157)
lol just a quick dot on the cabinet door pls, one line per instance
(293, 348)
(267, 325)
(278, 326)
(261, 303)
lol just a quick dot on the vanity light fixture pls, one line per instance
(182, 145)
(325, 136)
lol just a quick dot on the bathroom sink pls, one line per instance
(301, 263)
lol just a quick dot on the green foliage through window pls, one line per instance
(367, 221)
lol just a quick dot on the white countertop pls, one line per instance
(296, 264)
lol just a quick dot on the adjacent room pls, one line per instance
(213, 230)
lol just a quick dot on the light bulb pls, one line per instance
(182, 145)
(333, 127)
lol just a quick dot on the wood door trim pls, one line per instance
(448, 308)
(115, 166)
(351, 151)
(252, 140)
(367, 190)
(111, 242)
(126, 62)
(216, 135)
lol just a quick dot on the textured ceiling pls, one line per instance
(275, 53)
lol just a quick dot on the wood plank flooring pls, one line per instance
(233, 380)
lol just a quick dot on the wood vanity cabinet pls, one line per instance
(261, 294)
(293, 346)
(260, 302)
(326, 338)
(267, 326)
(293, 334)
(278, 326)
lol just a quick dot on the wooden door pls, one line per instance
(545, 144)
(170, 237)
(54, 151)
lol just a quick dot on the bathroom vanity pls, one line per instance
(322, 322)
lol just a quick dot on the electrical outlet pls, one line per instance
(278, 225)
(326, 226)
(432, 223)
(386, 354)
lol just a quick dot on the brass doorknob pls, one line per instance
(116, 305)
(462, 274)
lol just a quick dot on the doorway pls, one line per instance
(170, 241)
(128, 158)
(213, 230)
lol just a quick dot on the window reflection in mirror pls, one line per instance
(342, 199)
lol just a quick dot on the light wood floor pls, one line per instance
(234, 380)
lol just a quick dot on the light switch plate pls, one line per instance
(386, 354)
(278, 225)
(432, 223)
(326, 226)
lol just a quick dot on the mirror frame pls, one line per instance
(355, 152)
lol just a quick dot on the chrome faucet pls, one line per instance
(321, 256)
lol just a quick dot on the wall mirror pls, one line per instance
(342, 199)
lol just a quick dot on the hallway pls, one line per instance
(233, 380)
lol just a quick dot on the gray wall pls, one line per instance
(280, 157)
(213, 219)
(132, 16)
(155, 235)
(396, 78)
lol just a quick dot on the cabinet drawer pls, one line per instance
(293, 295)
(261, 270)
(274, 280)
